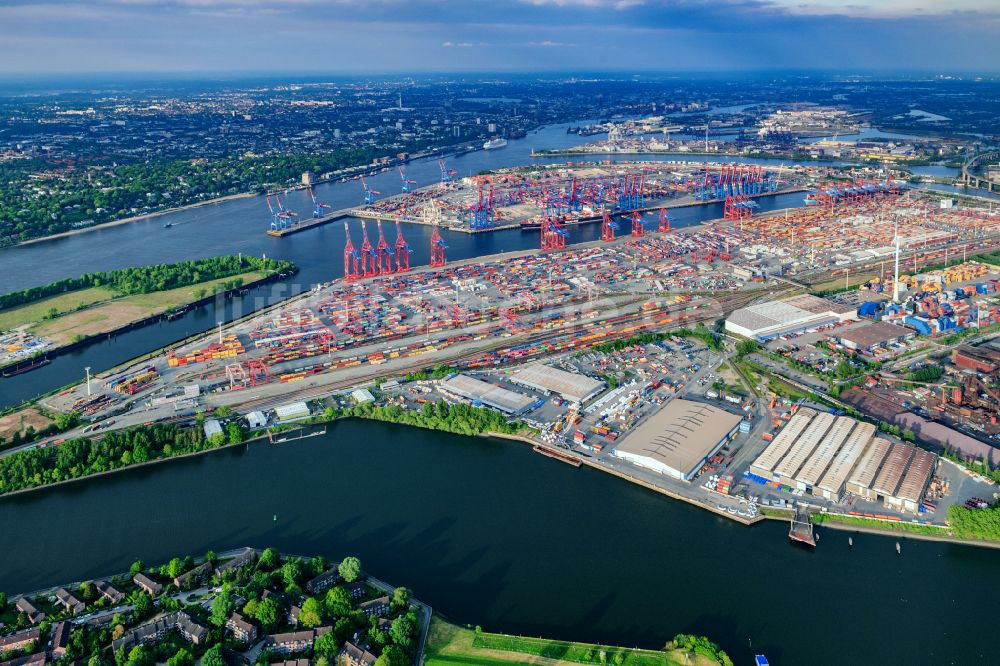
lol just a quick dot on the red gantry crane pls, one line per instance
(402, 250)
(351, 268)
(383, 253)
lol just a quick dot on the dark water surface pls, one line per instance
(490, 533)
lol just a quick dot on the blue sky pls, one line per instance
(344, 36)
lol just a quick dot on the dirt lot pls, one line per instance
(19, 422)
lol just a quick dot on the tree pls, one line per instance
(142, 603)
(210, 556)
(268, 612)
(844, 370)
(311, 614)
(350, 568)
(3, 600)
(338, 602)
(392, 655)
(137, 655)
(326, 645)
(401, 632)
(235, 432)
(136, 567)
(182, 657)
(213, 657)
(270, 558)
(175, 567)
(88, 591)
(400, 597)
(222, 608)
(291, 571)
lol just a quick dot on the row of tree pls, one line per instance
(147, 279)
(459, 418)
(81, 457)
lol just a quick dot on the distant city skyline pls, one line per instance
(340, 36)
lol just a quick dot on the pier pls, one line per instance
(801, 528)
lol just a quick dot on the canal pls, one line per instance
(490, 533)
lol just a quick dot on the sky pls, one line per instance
(389, 36)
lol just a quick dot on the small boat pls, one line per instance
(168, 225)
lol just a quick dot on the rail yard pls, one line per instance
(606, 351)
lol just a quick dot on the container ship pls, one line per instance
(496, 142)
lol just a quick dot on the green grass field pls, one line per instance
(450, 645)
(105, 311)
(35, 312)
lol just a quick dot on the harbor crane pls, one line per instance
(608, 227)
(665, 221)
(407, 182)
(447, 175)
(369, 260)
(638, 226)
(383, 253)
(438, 246)
(318, 206)
(402, 250)
(369, 192)
(351, 259)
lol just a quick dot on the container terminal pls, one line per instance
(523, 333)
(526, 196)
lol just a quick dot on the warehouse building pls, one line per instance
(833, 484)
(861, 479)
(830, 456)
(873, 335)
(803, 447)
(491, 395)
(892, 472)
(679, 439)
(765, 321)
(570, 385)
(828, 447)
(765, 463)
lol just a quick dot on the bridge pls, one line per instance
(973, 180)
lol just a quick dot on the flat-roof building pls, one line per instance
(570, 385)
(488, 394)
(765, 321)
(679, 439)
(873, 334)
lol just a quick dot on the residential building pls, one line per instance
(20, 640)
(147, 584)
(197, 575)
(69, 602)
(295, 641)
(60, 639)
(323, 582)
(110, 592)
(34, 615)
(244, 630)
(352, 655)
(377, 607)
(159, 627)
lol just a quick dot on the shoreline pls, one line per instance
(748, 522)
(133, 218)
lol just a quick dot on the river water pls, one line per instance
(239, 225)
(490, 533)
